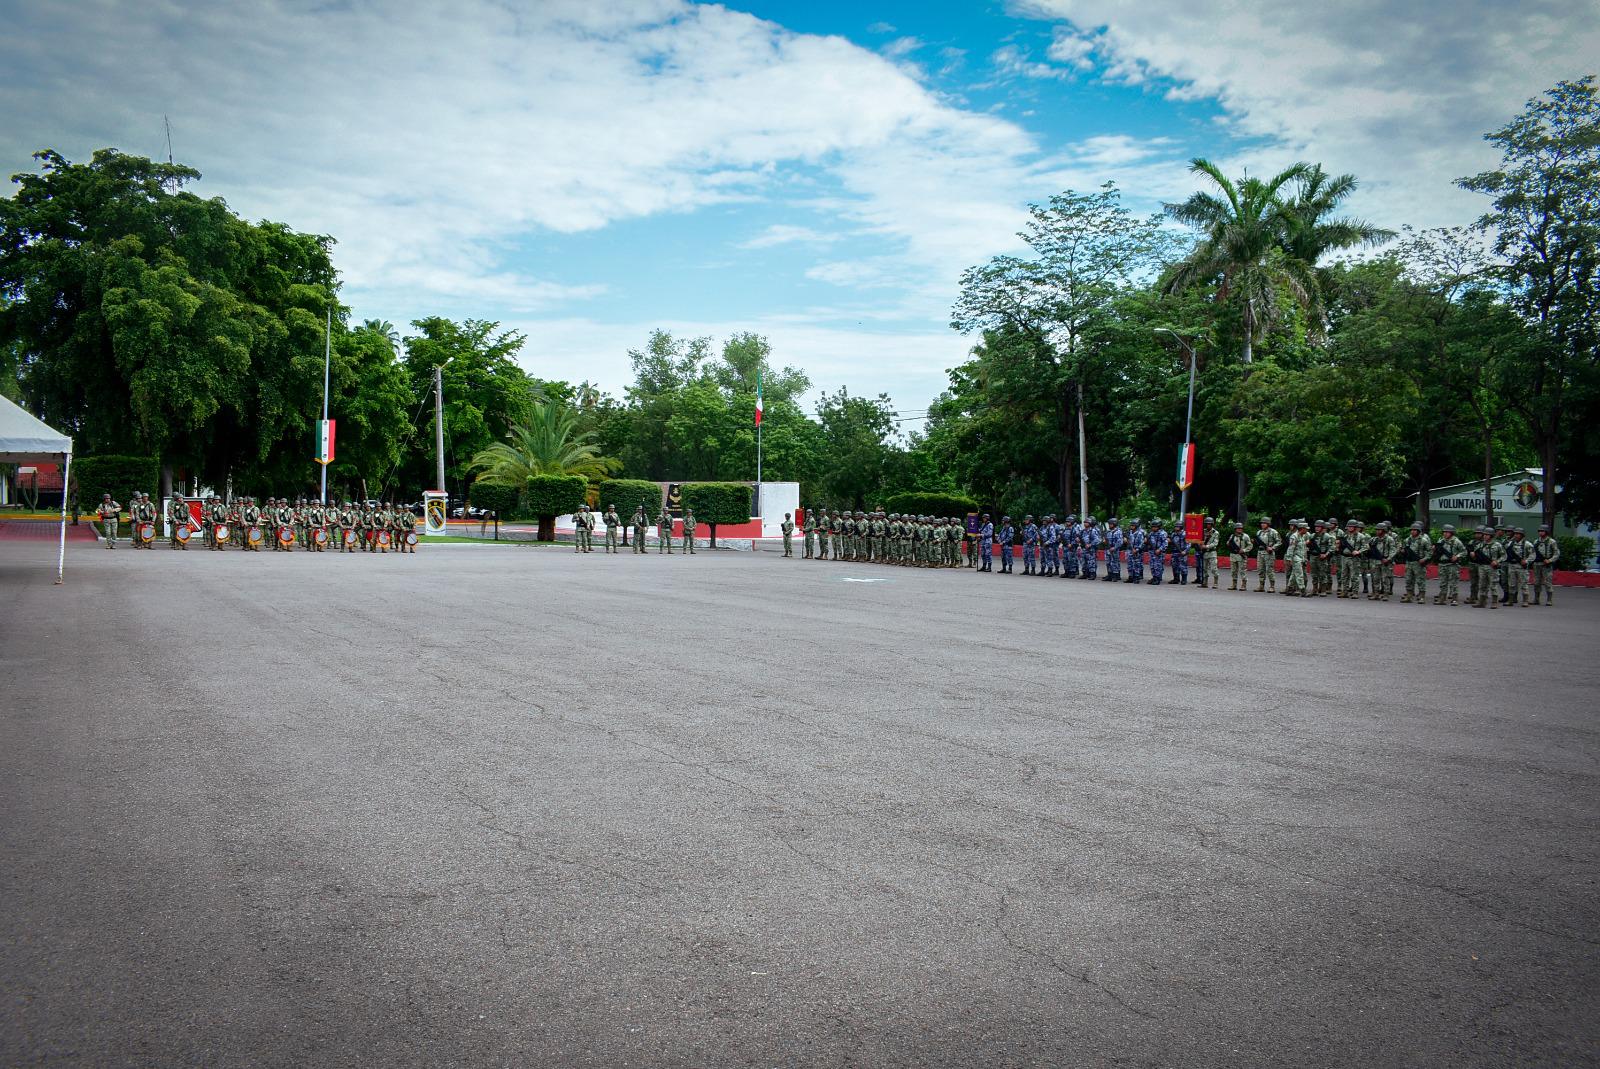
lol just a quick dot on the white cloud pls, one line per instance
(901, 46)
(1014, 60)
(1398, 94)
(786, 234)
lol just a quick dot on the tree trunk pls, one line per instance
(547, 528)
(1488, 478)
(1547, 489)
(713, 534)
(166, 480)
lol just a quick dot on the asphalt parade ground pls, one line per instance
(506, 806)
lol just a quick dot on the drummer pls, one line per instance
(218, 516)
(250, 520)
(178, 517)
(404, 524)
(347, 520)
(144, 516)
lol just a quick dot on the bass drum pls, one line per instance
(286, 535)
(320, 536)
(411, 538)
(221, 533)
(184, 534)
(146, 532)
(253, 536)
(349, 537)
(383, 538)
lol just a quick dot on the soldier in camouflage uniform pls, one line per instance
(1090, 541)
(664, 531)
(1487, 555)
(1158, 543)
(1116, 539)
(1546, 551)
(835, 534)
(808, 535)
(1502, 535)
(1297, 549)
(1386, 562)
(1415, 554)
(1351, 549)
(1448, 553)
(1267, 542)
(1049, 546)
(1239, 546)
(177, 518)
(1137, 540)
(1210, 539)
(613, 524)
(1030, 544)
(1519, 554)
(641, 523)
(788, 534)
(689, 528)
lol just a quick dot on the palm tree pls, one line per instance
(384, 329)
(1312, 234)
(549, 443)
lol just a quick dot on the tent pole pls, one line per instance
(66, 483)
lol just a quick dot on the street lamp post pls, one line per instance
(438, 421)
(1188, 417)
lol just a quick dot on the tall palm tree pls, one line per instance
(549, 443)
(1313, 233)
(1243, 252)
(384, 329)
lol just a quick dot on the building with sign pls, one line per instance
(1515, 497)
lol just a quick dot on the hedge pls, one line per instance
(626, 494)
(920, 504)
(1576, 553)
(114, 475)
(500, 500)
(553, 495)
(714, 503)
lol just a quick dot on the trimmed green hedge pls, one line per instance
(1576, 553)
(626, 494)
(919, 504)
(715, 503)
(500, 500)
(554, 495)
(114, 475)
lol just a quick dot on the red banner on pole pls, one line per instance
(1194, 527)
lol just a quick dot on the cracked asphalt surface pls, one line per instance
(509, 806)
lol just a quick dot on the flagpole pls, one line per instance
(327, 358)
(760, 512)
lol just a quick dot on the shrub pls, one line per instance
(715, 503)
(1576, 553)
(114, 475)
(549, 496)
(921, 504)
(500, 500)
(626, 494)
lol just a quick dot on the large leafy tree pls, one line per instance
(145, 317)
(859, 439)
(1545, 219)
(486, 393)
(1086, 249)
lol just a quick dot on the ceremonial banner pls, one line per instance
(325, 441)
(1185, 465)
(1194, 527)
(433, 511)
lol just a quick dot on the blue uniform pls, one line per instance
(1158, 550)
(1048, 534)
(1136, 544)
(1180, 557)
(1116, 538)
(1071, 540)
(986, 544)
(1008, 535)
(1030, 547)
(1091, 547)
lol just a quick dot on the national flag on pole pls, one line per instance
(758, 398)
(325, 441)
(1185, 465)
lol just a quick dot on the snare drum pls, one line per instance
(349, 537)
(286, 535)
(146, 532)
(320, 536)
(411, 538)
(253, 536)
(220, 533)
(383, 538)
(183, 533)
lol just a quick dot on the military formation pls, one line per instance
(276, 522)
(1321, 557)
(585, 521)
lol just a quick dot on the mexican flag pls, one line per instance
(758, 398)
(325, 441)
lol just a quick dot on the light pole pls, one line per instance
(1188, 417)
(438, 421)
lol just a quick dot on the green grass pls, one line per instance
(487, 541)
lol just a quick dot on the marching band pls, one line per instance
(370, 527)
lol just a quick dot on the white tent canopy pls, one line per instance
(26, 440)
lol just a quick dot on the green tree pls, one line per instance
(142, 314)
(549, 496)
(859, 441)
(1545, 220)
(1087, 249)
(548, 443)
(485, 392)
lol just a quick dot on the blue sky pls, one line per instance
(817, 172)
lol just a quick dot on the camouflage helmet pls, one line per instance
(1416, 525)
(1089, 518)
(1449, 528)
(1237, 525)
(1264, 520)
(1320, 522)
(1352, 522)
(1113, 520)
(1157, 522)
(1028, 518)
(1545, 527)
(1209, 522)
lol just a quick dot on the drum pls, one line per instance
(320, 536)
(183, 533)
(221, 533)
(253, 536)
(146, 532)
(411, 538)
(286, 535)
(349, 537)
(383, 538)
